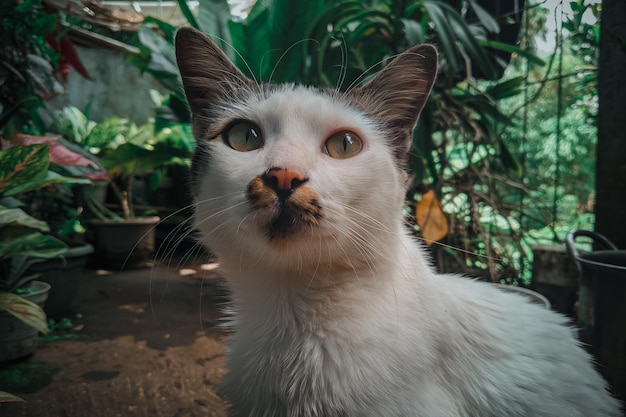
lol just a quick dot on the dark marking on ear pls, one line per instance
(398, 93)
(211, 81)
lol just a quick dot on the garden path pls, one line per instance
(148, 345)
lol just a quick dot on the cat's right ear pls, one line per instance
(398, 93)
(208, 75)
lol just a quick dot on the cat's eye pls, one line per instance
(243, 136)
(343, 144)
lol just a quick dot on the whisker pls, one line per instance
(243, 59)
(344, 63)
(469, 252)
(286, 52)
(358, 79)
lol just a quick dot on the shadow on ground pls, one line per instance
(149, 345)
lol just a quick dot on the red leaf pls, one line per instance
(72, 57)
(69, 57)
(58, 153)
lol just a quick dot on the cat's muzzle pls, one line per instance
(291, 205)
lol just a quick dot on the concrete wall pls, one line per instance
(117, 89)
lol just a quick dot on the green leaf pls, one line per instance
(22, 165)
(162, 62)
(445, 33)
(422, 160)
(513, 49)
(470, 43)
(485, 18)
(507, 88)
(186, 11)
(20, 241)
(213, 18)
(168, 30)
(132, 158)
(19, 217)
(109, 133)
(577, 8)
(173, 111)
(6, 397)
(74, 124)
(51, 178)
(251, 42)
(413, 31)
(509, 160)
(290, 29)
(24, 310)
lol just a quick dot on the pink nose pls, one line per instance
(282, 180)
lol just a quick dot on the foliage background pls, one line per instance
(508, 147)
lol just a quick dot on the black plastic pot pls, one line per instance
(64, 274)
(125, 243)
(17, 339)
(602, 305)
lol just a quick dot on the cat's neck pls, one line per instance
(364, 277)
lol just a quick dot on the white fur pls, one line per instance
(350, 320)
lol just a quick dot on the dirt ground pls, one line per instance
(148, 345)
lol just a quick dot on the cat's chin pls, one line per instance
(286, 227)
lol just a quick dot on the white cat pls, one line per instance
(300, 192)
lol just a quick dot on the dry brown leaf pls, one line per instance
(431, 218)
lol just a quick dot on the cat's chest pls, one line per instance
(322, 366)
(313, 372)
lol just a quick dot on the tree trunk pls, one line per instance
(610, 207)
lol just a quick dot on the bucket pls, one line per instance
(602, 305)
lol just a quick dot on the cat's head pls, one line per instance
(286, 173)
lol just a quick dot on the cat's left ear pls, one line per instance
(208, 76)
(398, 93)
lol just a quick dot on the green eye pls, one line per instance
(342, 145)
(243, 136)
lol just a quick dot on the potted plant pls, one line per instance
(132, 155)
(52, 201)
(24, 241)
(32, 59)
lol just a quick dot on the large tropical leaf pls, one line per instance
(6, 397)
(506, 88)
(186, 11)
(162, 58)
(485, 18)
(173, 110)
(445, 33)
(60, 152)
(21, 166)
(213, 19)
(26, 311)
(51, 178)
(20, 241)
(290, 29)
(130, 157)
(531, 57)
(19, 217)
(251, 43)
(414, 31)
(469, 40)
